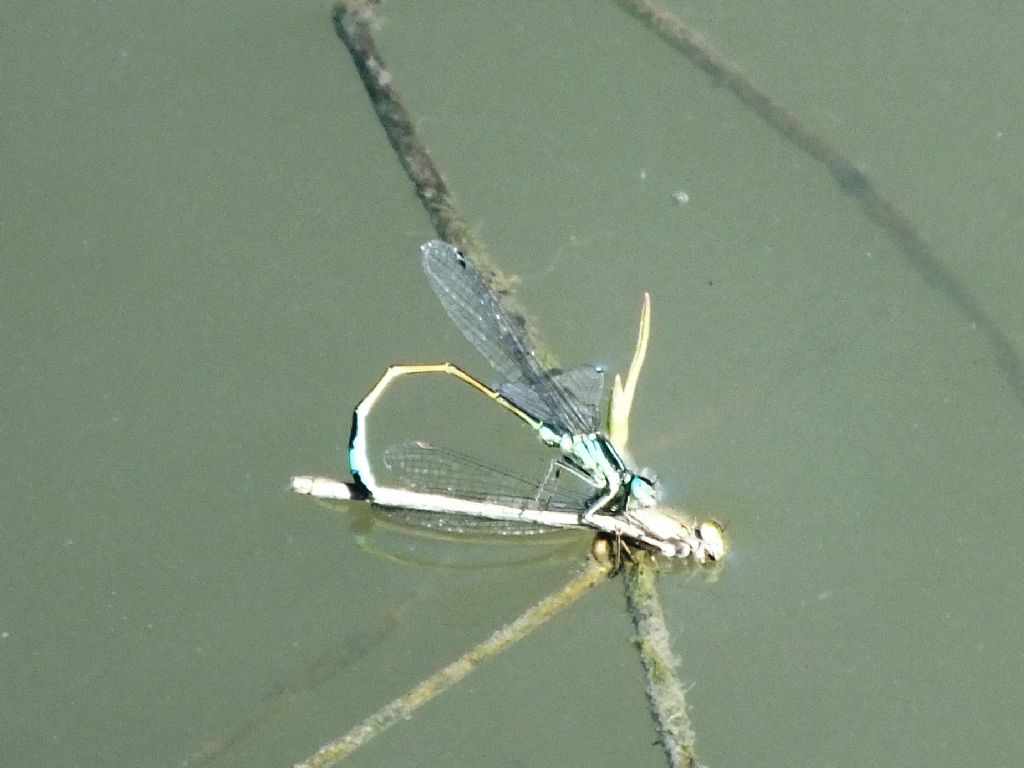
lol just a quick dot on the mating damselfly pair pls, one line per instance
(564, 408)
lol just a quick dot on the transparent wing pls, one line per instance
(426, 468)
(448, 522)
(498, 336)
(585, 384)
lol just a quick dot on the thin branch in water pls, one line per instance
(664, 690)
(292, 690)
(354, 23)
(852, 180)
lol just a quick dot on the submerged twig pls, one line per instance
(290, 691)
(851, 179)
(354, 22)
(664, 690)
(402, 707)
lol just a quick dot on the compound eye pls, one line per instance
(710, 534)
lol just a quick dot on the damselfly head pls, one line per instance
(711, 540)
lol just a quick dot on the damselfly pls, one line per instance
(564, 407)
